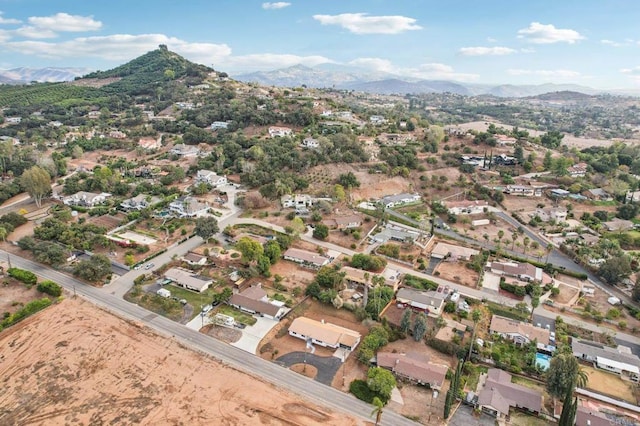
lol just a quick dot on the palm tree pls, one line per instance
(526, 241)
(377, 410)
(514, 237)
(476, 316)
(581, 378)
(549, 249)
(3, 233)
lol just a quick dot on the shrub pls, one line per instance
(26, 277)
(28, 309)
(50, 288)
(360, 390)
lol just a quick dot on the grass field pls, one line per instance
(241, 317)
(197, 300)
(609, 384)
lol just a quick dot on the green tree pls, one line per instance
(298, 225)
(419, 327)
(3, 233)
(377, 410)
(405, 322)
(615, 269)
(339, 193)
(564, 374)
(321, 232)
(381, 381)
(272, 251)
(206, 227)
(37, 182)
(548, 161)
(264, 265)
(49, 253)
(96, 268)
(348, 180)
(636, 290)
(251, 249)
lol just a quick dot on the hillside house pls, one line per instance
(150, 143)
(619, 360)
(186, 151)
(324, 334)
(520, 270)
(452, 252)
(577, 170)
(504, 140)
(278, 132)
(86, 199)
(431, 302)
(13, 120)
(344, 222)
(210, 178)
(397, 200)
(617, 224)
(358, 277)
(557, 214)
(518, 332)
(254, 300)
(187, 279)
(186, 206)
(117, 134)
(597, 194)
(466, 207)
(499, 395)
(414, 367)
(523, 190)
(377, 120)
(310, 143)
(216, 125)
(297, 201)
(306, 258)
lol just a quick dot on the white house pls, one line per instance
(211, 178)
(305, 258)
(377, 120)
(85, 199)
(324, 334)
(619, 360)
(219, 125)
(277, 132)
(187, 279)
(391, 201)
(183, 150)
(545, 215)
(523, 190)
(188, 207)
(298, 201)
(466, 207)
(310, 143)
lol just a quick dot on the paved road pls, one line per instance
(286, 379)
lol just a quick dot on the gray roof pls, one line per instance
(429, 298)
(593, 350)
(500, 393)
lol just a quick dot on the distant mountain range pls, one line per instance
(41, 75)
(352, 78)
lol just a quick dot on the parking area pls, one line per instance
(491, 281)
(464, 417)
(253, 334)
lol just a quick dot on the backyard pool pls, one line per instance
(542, 360)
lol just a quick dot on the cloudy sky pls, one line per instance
(590, 42)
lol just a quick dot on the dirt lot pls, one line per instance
(294, 275)
(420, 405)
(225, 334)
(458, 273)
(14, 294)
(566, 294)
(610, 384)
(74, 376)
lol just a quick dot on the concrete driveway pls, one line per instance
(327, 365)
(253, 334)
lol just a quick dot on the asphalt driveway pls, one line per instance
(327, 366)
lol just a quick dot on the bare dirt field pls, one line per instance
(293, 274)
(420, 405)
(458, 273)
(566, 294)
(14, 294)
(514, 203)
(76, 364)
(225, 334)
(610, 384)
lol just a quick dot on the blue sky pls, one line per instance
(590, 42)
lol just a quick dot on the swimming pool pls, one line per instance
(542, 360)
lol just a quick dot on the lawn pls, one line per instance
(197, 300)
(609, 384)
(528, 383)
(523, 419)
(239, 316)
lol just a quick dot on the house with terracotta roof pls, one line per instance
(499, 395)
(518, 332)
(324, 334)
(414, 367)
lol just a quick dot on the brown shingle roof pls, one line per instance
(501, 394)
(504, 325)
(413, 366)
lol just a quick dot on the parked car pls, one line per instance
(149, 265)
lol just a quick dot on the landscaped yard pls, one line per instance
(197, 300)
(239, 316)
(609, 384)
(523, 419)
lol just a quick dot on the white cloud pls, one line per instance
(526, 50)
(64, 22)
(429, 71)
(491, 40)
(631, 71)
(120, 47)
(8, 20)
(546, 73)
(275, 5)
(487, 51)
(28, 31)
(361, 23)
(547, 34)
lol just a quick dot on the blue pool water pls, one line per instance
(543, 360)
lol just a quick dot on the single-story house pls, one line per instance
(618, 360)
(188, 207)
(183, 150)
(359, 277)
(195, 259)
(211, 178)
(305, 258)
(85, 199)
(598, 194)
(391, 201)
(442, 250)
(617, 224)
(297, 201)
(523, 190)
(324, 333)
(254, 300)
(466, 207)
(344, 222)
(414, 367)
(432, 302)
(276, 132)
(560, 193)
(520, 270)
(310, 143)
(188, 279)
(519, 332)
(586, 416)
(577, 170)
(219, 125)
(499, 395)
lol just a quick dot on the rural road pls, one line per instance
(286, 379)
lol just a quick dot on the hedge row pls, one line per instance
(50, 288)
(513, 289)
(26, 277)
(28, 309)
(361, 390)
